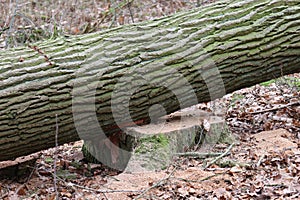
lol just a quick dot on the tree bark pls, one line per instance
(105, 81)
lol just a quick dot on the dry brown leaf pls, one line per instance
(21, 191)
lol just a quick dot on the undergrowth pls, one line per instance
(27, 21)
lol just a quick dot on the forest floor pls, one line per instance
(262, 163)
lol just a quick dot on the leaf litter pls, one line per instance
(263, 164)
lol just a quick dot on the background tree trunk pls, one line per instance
(113, 77)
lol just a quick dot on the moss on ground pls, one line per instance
(290, 81)
(152, 143)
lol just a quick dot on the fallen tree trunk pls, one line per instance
(105, 81)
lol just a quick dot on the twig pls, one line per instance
(276, 185)
(211, 176)
(55, 159)
(231, 163)
(99, 191)
(198, 154)
(260, 159)
(114, 13)
(219, 157)
(105, 196)
(274, 109)
(11, 24)
(161, 181)
(201, 180)
(130, 11)
(198, 4)
(5, 195)
(70, 184)
(21, 186)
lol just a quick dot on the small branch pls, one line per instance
(99, 191)
(232, 163)
(11, 23)
(130, 11)
(211, 176)
(4, 195)
(73, 185)
(219, 157)
(198, 154)
(39, 51)
(28, 178)
(276, 185)
(274, 109)
(260, 160)
(201, 180)
(69, 184)
(160, 182)
(114, 7)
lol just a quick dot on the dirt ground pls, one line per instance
(190, 180)
(263, 163)
(261, 166)
(258, 165)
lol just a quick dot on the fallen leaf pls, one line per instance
(236, 169)
(206, 125)
(21, 191)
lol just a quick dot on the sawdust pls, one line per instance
(276, 140)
